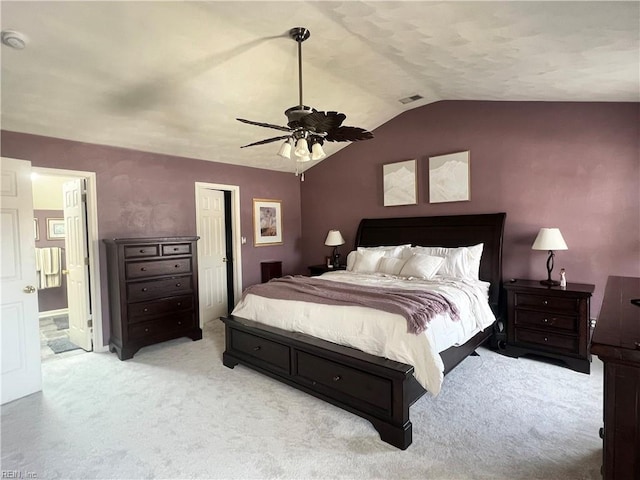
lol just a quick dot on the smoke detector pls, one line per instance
(14, 39)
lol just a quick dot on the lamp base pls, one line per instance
(550, 283)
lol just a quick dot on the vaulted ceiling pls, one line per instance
(171, 77)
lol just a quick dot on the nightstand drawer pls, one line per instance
(558, 343)
(546, 320)
(547, 302)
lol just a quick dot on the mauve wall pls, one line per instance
(574, 166)
(144, 194)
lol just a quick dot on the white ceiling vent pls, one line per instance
(410, 99)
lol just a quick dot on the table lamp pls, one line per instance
(549, 239)
(334, 239)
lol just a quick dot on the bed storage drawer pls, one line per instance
(336, 379)
(273, 353)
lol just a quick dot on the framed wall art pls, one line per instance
(399, 183)
(449, 178)
(267, 222)
(55, 229)
(36, 229)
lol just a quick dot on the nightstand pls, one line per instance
(270, 269)
(315, 270)
(549, 321)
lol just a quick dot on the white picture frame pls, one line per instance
(55, 229)
(267, 222)
(450, 178)
(400, 185)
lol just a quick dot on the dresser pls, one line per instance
(549, 321)
(153, 291)
(616, 341)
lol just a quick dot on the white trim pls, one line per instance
(53, 313)
(94, 248)
(236, 239)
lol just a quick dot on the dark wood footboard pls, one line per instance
(375, 388)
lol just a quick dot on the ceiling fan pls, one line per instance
(307, 128)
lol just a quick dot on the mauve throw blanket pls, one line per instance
(417, 306)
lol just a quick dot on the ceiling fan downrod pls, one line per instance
(299, 34)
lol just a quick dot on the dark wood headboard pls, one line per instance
(444, 231)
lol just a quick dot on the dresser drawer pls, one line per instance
(546, 320)
(176, 249)
(341, 379)
(139, 291)
(555, 343)
(141, 251)
(162, 326)
(139, 312)
(274, 353)
(159, 267)
(547, 302)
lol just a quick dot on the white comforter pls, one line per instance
(381, 333)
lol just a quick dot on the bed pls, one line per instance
(376, 388)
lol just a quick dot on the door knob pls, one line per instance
(29, 289)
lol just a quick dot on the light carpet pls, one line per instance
(174, 411)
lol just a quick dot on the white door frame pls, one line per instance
(94, 248)
(236, 234)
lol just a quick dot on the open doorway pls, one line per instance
(66, 263)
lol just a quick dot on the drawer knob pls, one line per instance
(255, 349)
(179, 323)
(142, 250)
(337, 378)
(177, 266)
(546, 339)
(175, 249)
(146, 329)
(179, 304)
(545, 302)
(637, 344)
(144, 289)
(178, 284)
(546, 320)
(145, 310)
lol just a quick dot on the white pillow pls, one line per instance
(367, 261)
(421, 266)
(460, 262)
(351, 259)
(395, 251)
(391, 266)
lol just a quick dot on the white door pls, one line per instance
(212, 266)
(77, 263)
(20, 329)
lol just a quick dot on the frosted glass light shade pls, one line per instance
(549, 239)
(302, 149)
(334, 238)
(285, 150)
(317, 153)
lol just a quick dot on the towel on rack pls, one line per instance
(49, 267)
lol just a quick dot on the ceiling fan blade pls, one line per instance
(268, 140)
(261, 124)
(348, 134)
(322, 121)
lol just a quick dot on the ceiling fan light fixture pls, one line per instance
(302, 148)
(285, 150)
(317, 153)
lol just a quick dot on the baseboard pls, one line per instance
(53, 313)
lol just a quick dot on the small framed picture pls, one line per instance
(55, 229)
(36, 229)
(449, 178)
(399, 183)
(267, 222)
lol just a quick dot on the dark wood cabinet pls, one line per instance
(315, 270)
(271, 269)
(549, 321)
(153, 291)
(616, 341)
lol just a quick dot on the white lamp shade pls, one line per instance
(549, 239)
(317, 153)
(302, 148)
(334, 238)
(285, 150)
